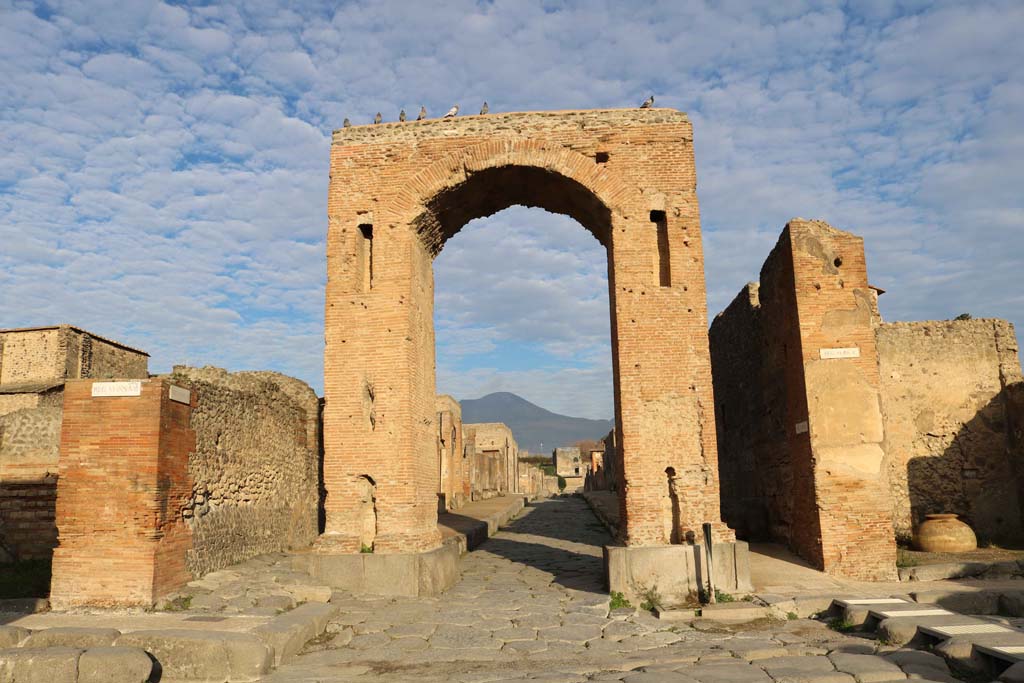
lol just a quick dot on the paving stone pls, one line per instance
(750, 649)
(727, 672)
(866, 668)
(462, 637)
(367, 641)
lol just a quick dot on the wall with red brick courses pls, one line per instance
(123, 483)
(815, 320)
(398, 191)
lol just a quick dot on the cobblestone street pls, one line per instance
(530, 606)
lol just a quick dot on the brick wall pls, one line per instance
(123, 484)
(398, 191)
(154, 492)
(803, 413)
(947, 428)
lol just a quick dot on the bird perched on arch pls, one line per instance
(422, 114)
(648, 103)
(484, 109)
(377, 118)
(452, 113)
(401, 115)
(346, 123)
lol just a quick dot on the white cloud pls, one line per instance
(165, 167)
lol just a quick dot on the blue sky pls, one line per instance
(164, 170)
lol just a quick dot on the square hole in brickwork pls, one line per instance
(601, 157)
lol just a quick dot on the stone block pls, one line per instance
(308, 593)
(39, 665)
(288, 633)
(203, 655)
(733, 612)
(897, 631)
(428, 573)
(12, 636)
(1011, 604)
(965, 602)
(114, 665)
(71, 636)
(669, 570)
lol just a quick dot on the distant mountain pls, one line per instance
(532, 425)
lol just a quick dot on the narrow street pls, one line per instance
(530, 606)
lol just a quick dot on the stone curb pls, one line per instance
(185, 654)
(74, 665)
(288, 633)
(960, 570)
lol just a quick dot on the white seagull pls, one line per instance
(452, 113)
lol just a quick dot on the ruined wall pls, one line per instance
(30, 356)
(65, 352)
(183, 475)
(947, 428)
(803, 411)
(29, 448)
(750, 413)
(493, 453)
(453, 468)
(567, 462)
(254, 469)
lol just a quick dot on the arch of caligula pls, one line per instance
(397, 193)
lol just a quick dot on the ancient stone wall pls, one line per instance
(567, 462)
(254, 469)
(185, 475)
(453, 467)
(750, 401)
(947, 427)
(399, 191)
(29, 448)
(64, 352)
(814, 430)
(493, 453)
(30, 356)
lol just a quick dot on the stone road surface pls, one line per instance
(530, 606)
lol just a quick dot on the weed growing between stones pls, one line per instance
(651, 599)
(619, 601)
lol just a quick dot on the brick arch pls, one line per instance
(481, 180)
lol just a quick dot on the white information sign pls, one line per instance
(852, 352)
(802, 427)
(181, 395)
(117, 388)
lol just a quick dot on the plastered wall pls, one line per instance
(948, 426)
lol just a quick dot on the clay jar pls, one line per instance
(944, 534)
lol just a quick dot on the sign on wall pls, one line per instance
(852, 352)
(180, 394)
(133, 388)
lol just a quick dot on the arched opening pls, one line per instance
(489, 191)
(521, 307)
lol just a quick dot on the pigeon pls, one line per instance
(346, 123)
(377, 118)
(484, 109)
(401, 115)
(647, 103)
(452, 113)
(423, 113)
